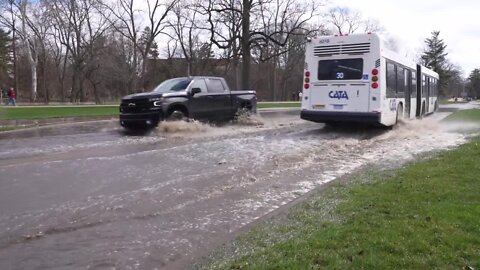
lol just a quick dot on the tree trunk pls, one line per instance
(33, 68)
(246, 45)
(30, 56)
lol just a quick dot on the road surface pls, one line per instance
(92, 196)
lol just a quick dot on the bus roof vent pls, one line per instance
(341, 49)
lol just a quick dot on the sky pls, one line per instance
(410, 22)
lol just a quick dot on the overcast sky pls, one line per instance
(411, 21)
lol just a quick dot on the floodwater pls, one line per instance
(100, 198)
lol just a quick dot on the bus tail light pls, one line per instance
(375, 78)
(307, 80)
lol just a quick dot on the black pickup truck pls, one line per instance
(202, 98)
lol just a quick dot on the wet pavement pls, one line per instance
(93, 196)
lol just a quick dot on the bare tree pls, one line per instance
(348, 21)
(185, 30)
(79, 26)
(8, 19)
(128, 20)
(60, 57)
(29, 33)
(251, 35)
(224, 19)
(344, 20)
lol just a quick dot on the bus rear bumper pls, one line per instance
(325, 117)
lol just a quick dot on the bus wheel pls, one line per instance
(436, 105)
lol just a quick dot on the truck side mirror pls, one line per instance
(196, 90)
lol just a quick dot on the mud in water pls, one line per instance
(245, 123)
(248, 119)
(183, 127)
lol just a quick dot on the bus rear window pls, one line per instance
(340, 69)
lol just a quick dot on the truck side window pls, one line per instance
(215, 86)
(199, 83)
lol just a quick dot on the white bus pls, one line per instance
(356, 78)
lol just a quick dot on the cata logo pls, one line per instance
(338, 94)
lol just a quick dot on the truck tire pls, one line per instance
(177, 115)
(241, 112)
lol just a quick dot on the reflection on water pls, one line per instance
(62, 128)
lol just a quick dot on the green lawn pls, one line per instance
(465, 115)
(15, 113)
(43, 112)
(423, 216)
(269, 105)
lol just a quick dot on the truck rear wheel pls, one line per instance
(242, 112)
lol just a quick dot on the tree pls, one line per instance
(27, 32)
(79, 27)
(187, 28)
(474, 83)
(290, 16)
(434, 57)
(128, 19)
(5, 59)
(456, 83)
(348, 21)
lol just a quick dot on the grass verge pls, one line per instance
(422, 216)
(270, 105)
(472, 115)
(17, 113)
(45, 112)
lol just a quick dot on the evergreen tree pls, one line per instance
(434, 57)
(153, 50)
(5, 57)
(474, 83)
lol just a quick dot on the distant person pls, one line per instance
(11, 97)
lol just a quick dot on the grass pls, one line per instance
(269, 105)
(45, 112)
(17, 113)
(472, 115)
(422, 216)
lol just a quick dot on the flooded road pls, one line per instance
(100, 198)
